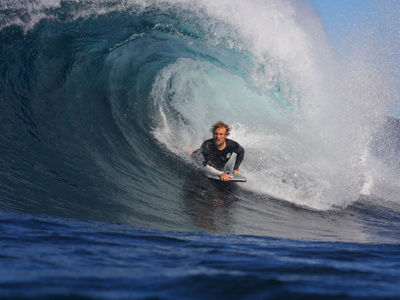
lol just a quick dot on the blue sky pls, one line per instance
(373, 20)
(343, 18)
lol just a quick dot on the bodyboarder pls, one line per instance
(216, 152)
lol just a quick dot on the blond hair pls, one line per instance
(220, 124)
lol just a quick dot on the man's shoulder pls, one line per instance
(234, 146)
(207, 143)
(232, 143)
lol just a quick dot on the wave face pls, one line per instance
(100, 102)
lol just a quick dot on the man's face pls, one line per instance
(220, 136)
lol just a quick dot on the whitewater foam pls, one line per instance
(307, 115)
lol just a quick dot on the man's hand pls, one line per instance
(236, 172)
(225, 177)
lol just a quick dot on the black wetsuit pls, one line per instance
(209, 154)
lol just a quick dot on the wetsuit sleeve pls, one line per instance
(239, 156)
(198, 155)
(212, 171)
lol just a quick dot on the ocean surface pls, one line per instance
(99, 199)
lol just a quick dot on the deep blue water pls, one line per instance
(99, 198)
(46, 257)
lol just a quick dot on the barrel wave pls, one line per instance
(100, 102)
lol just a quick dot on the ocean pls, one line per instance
(99, 198)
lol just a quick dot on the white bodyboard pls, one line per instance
(235, 177)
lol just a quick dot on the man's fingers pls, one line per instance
(225, 177)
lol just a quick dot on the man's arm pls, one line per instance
(214, 172)
(198, 154)
(239, 158)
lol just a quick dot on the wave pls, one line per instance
(102, 100)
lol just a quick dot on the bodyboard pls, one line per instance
(235, 177)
